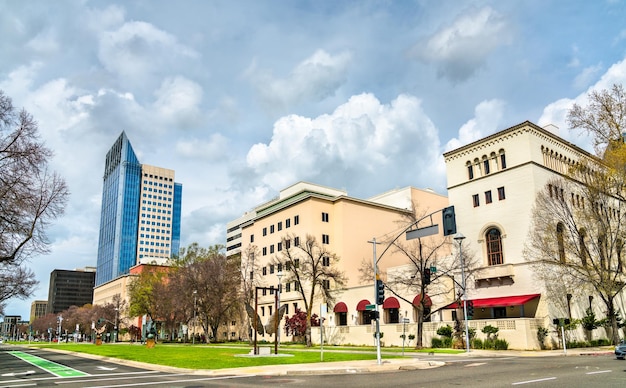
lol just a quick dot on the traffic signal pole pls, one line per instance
(377, 313)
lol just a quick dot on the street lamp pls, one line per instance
(279, 275)
(116, 317)
(193, 340)
(459, 237)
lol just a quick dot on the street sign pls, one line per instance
(422, 232)
(405, 320)
(433, 269)
(370, 307)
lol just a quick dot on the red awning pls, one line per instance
(391, 303)
(362, 304)
(428, 303)
(503, 301)
(340, 308)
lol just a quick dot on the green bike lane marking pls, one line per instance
(48, 366)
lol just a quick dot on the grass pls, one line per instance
(213, 356)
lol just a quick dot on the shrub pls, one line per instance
(490, 331)
(436, 343)
(542, 333)
(445, 331)
(477, 343)
(500, 344)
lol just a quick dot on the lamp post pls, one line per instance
(116, 317)
(459, 237)
(193, 335)
(279, 275)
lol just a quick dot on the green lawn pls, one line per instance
(210, 357)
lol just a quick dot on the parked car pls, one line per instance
(620, 350)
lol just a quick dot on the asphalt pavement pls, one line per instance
(415, 361)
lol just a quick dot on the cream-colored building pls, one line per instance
(346, 225)
(493, 183)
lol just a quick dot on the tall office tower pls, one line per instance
(140, 216)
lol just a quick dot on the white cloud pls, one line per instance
(314, 79)
(587, 75)
(138, 49)
(215, 149)
(460, 49)
(487, 120)
(361, 140)
(178, 101)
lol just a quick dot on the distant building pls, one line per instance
(140, 216)
(8, 328)
(38, 309)
(70, 288)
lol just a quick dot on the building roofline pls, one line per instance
(515, 128)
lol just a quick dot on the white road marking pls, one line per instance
(600, 371)
(534, 381)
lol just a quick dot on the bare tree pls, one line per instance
(604, 117)
(580, 242)
(416, 277)
(31, 196)
(15, 282)
(314, 270)
(217, 280)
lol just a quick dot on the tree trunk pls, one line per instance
(419, 342)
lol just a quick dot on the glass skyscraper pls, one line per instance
(140, 216)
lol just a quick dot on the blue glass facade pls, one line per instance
(120, 215)
(176, 212)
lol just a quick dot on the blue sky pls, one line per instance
(244, 98)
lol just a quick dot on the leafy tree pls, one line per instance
(577, 233)
(314, 270)
(31, 197)
(297, 325)
(146, 293)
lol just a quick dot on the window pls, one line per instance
(287, 222)
(288, 287)
(279, 267)
(296, 220)
(264, 231)
(486, 166)
(263, 307)
(272, 248)
(326, 284)
(251, 238)
(494, 247)
(559, 240)
(271, 228)
(476, 200)
(502, 160)
(271, 293)
(251, 275)
(325, 239)
(287, 244)
(279, 247)
(470, 171)
(280, 226)
(264, 271)
(488, 196)
(272, 270)
(264, 251)
(288, 266)
(296, 263)
(324, 217)
(296, 241)
(501, 194)
(326, 261)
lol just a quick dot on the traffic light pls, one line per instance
(380, 291)
(470, 308)
(449, 221)
(426, 276)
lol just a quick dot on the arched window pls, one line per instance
(470, 170)
(494, 247)
(502, 160)
(486, 169)
(582, 234)
(559, 239)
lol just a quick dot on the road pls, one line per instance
(20, 367)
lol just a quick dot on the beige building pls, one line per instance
(493, 183)
(346, 226)
(38, 309)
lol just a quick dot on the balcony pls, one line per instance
(494, 275)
